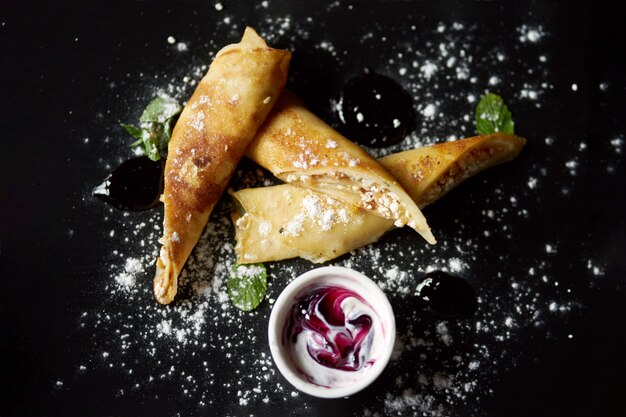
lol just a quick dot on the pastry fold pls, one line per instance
(210, 137)
(280, 222)
(301, 149)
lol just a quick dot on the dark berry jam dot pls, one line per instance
(135, 185)
(447, 296)
(375, 110)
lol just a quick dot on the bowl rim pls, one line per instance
(376, 297)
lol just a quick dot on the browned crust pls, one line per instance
(271, 150)
(300, 148)
(428, 173)
(209, 139)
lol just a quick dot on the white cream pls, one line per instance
(370, 351)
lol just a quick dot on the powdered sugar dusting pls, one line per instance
(185, 347)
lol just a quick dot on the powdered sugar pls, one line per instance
(128, 278)
(428, 69)
(197, 121)
(428, 111)
(322, 211)
(617, 144)
(185, 346)
(532, 34)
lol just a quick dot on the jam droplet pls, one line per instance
(447, 296)
(135, 185)
(375, 110)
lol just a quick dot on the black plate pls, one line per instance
(541, 239)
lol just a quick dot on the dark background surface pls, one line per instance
(54, 91)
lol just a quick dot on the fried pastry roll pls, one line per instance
(280, 222)
(210, 137)
(301, 149)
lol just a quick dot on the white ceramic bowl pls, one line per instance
(347, 278)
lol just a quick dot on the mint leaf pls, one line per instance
(133, 130)
(247, 286)
(492, 115)
(156, 124)
(168, 126)
(151, 142)
(160, 109)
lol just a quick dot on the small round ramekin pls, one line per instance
(347, 278)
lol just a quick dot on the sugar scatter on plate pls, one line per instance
(201, 341)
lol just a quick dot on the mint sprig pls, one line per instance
(247, 286)
(492, 116)
(155, 126)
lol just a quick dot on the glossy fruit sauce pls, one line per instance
(135, 185)
(375, 110)
(447, 296)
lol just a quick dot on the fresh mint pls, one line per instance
(160, 110)
(492, 115)
(155, 126)
(133, 130)
(247, 286)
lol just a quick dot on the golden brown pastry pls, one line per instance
(210, 137)
(301, 149)
(429, 172)
(287, 221)
(280, 222)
